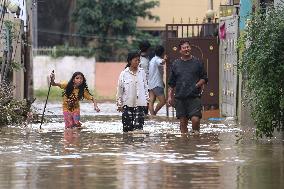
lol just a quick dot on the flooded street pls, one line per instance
(101, 156)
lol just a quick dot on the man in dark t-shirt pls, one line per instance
(186, 81)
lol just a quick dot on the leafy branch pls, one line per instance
(262, 64)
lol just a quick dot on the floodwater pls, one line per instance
(100, 156)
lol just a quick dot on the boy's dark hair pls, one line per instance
(130, 56)
(183, 41)
(144, 46)
(159, 50)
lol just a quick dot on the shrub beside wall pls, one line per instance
(262, 62)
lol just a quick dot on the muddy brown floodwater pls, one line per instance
(224, 155)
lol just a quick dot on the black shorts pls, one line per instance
(188, 107)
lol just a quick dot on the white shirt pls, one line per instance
(156, 72)
(132, 89)
(144, 63)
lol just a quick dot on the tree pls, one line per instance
(111, 24)
(54, 22)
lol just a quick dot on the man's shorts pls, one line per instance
(188, 107)
(158, 91)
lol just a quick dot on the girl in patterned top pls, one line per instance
(74, 91)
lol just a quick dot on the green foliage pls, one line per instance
(60, 51)
(10, 29)
(10, 35)
(262, 65)
(141, 36)
(113, 22)
(16, 65)
(56, 95)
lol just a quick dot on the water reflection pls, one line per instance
(101, 156)
(71, 137)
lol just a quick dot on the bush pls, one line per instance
(262, 63)
(12, 111)
(60, 51)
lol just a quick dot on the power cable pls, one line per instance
(85, 36)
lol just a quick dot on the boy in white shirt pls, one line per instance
(144, 47)
(156, 83)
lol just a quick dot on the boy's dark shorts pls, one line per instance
(158, 91)
(188, 107)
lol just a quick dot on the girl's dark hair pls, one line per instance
(130, 56)
(159, 51)
(70, 86)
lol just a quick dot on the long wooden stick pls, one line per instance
(45, 102)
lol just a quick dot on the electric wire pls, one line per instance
(121, 37)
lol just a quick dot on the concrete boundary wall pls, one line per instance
(64, 68)
(107, 74)
(101, 76)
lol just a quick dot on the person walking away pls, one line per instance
(156, 83)
(186, 82)
(144, 47)
(132, 94)
(74, 91)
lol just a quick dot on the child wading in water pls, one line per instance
(74, 91)
(132, 94)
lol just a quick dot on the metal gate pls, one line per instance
(205, 47)
(228, 65)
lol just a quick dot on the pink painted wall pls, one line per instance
(106, 77)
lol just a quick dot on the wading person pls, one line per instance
(144, 47)
(132, 94)
(74, 91)
(186, 82)
(156, 83)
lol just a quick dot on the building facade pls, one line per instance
(179, 11)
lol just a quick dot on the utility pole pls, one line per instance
(72, 29)
(28, 56)
(34, 25)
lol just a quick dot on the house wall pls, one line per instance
(63, 68)
(170, 10)
(107, 74)
(245, 11)
(16, 53)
